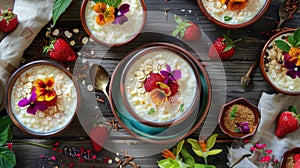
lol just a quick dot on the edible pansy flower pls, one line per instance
(158, 96)
(44, 89)
(293, 70)
(120, 14)
(237, 4)
(32, 103)
(170, 75)
(105, 15)
(100, 7)
(244, 127)
(165, 88)
(294, 52)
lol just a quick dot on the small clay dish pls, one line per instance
(287, 159)
(273, 67)
(113, 34)
(40, 117)
(235, 114)
(233, 19)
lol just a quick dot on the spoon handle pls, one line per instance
(104, 91)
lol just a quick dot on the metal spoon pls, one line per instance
(100, 77)
(286, 10)
(283, 15)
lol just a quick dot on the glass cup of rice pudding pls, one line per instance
(42, 98)
(113, 24)
(160, 87)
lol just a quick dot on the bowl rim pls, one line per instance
(11, 82)
(87, 30)
(234, 26)
(196, 125)
(262, 67)
(243, 101)
(287, 153)
(140, 54)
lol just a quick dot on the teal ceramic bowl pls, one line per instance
(159, 135)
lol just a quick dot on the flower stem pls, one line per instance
(205, 160)
(33, 143)
(237, 40)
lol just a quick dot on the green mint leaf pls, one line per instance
(151, 111)
(297, 35)
(283, 45)
(4, 134)
(96, 1)
(237, 130)
(297, 44)
(233, 111)
(7, 158)
(114, 3)
(181, 107)
(59, 7)
(5, 121)
(211, 141)
(227, 18)
(291, 40)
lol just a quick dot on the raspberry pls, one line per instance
(151, 81)
(297, 157)
(174, 88)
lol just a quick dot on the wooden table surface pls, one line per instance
(247, 50)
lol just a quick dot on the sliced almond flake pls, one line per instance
(72, 43)
(90, 88)
(92, 52)
(85, 40)
(76, 30)
(47, 33)
(55, 32)
(91, 40)
(68, 34)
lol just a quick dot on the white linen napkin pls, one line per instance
(33, 15)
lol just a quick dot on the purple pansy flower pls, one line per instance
(34, 105)
(120, 14)
(170, 75)
(293, 70)
(244, 127)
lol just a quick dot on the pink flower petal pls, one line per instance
(176, 74)
(53, 158)
(168, 67)
(31, 110)
(23, 102)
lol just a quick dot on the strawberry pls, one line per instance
(296, 157)
(288, 122)
(151, 81)
(60, 50)
(297, 164)
(98, 136)
(222, 48)
(187, 30)
(8, 21)
(174, 88)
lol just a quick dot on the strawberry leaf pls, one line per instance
(177, 19)
(227, 48)
(175, 32)
(293, 109)
(7, 158)
(59, 7)
(283, 45)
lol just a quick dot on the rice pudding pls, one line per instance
(225, 12)
(50, 116)
(116, 33)
(276, 68)
(160, 86)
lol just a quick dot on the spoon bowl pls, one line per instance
(99, 77)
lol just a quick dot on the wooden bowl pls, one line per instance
(237, 25)
(95, 34)
(227, 106)
(61, 113)
(287, 154)
(178, 54)
(267, 70)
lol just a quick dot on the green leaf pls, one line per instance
(293, 109)
(211, 141)
(168, 163)
(175, 32)
(227, 48)
(96, 1)
(181, 107)
(297, 44)
(59, 7)
(5, 121)
(233, 111)
(194, 144)
(210, 166)
(282, 45)
(4, 134)
(177, 19)
(151, 111)
(7, 158)
(179, 147)
(291, 40)
(214, 151)
(297, 35)
(198, 165)
(187, 157)
(227, 18)
(114, 3)
(198, 152)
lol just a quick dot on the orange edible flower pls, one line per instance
(100, 7)
(158, 96)
(295, 54)
(237, 4)
(168, 154)
(44, 89)
(223, 1)
(202, 145)
(100, 19)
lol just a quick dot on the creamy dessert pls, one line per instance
(160, 86)
(282, 67)
(233, 11)
(43, 99)
(114, 25)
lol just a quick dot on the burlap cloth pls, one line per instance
(33, 15)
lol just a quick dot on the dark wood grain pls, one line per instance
(253, 40)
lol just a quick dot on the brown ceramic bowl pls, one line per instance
(273, 76)
(188, 97)
(286, 155)
(233, 23)
(227, 106)
(106, 34)
(59, 114)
